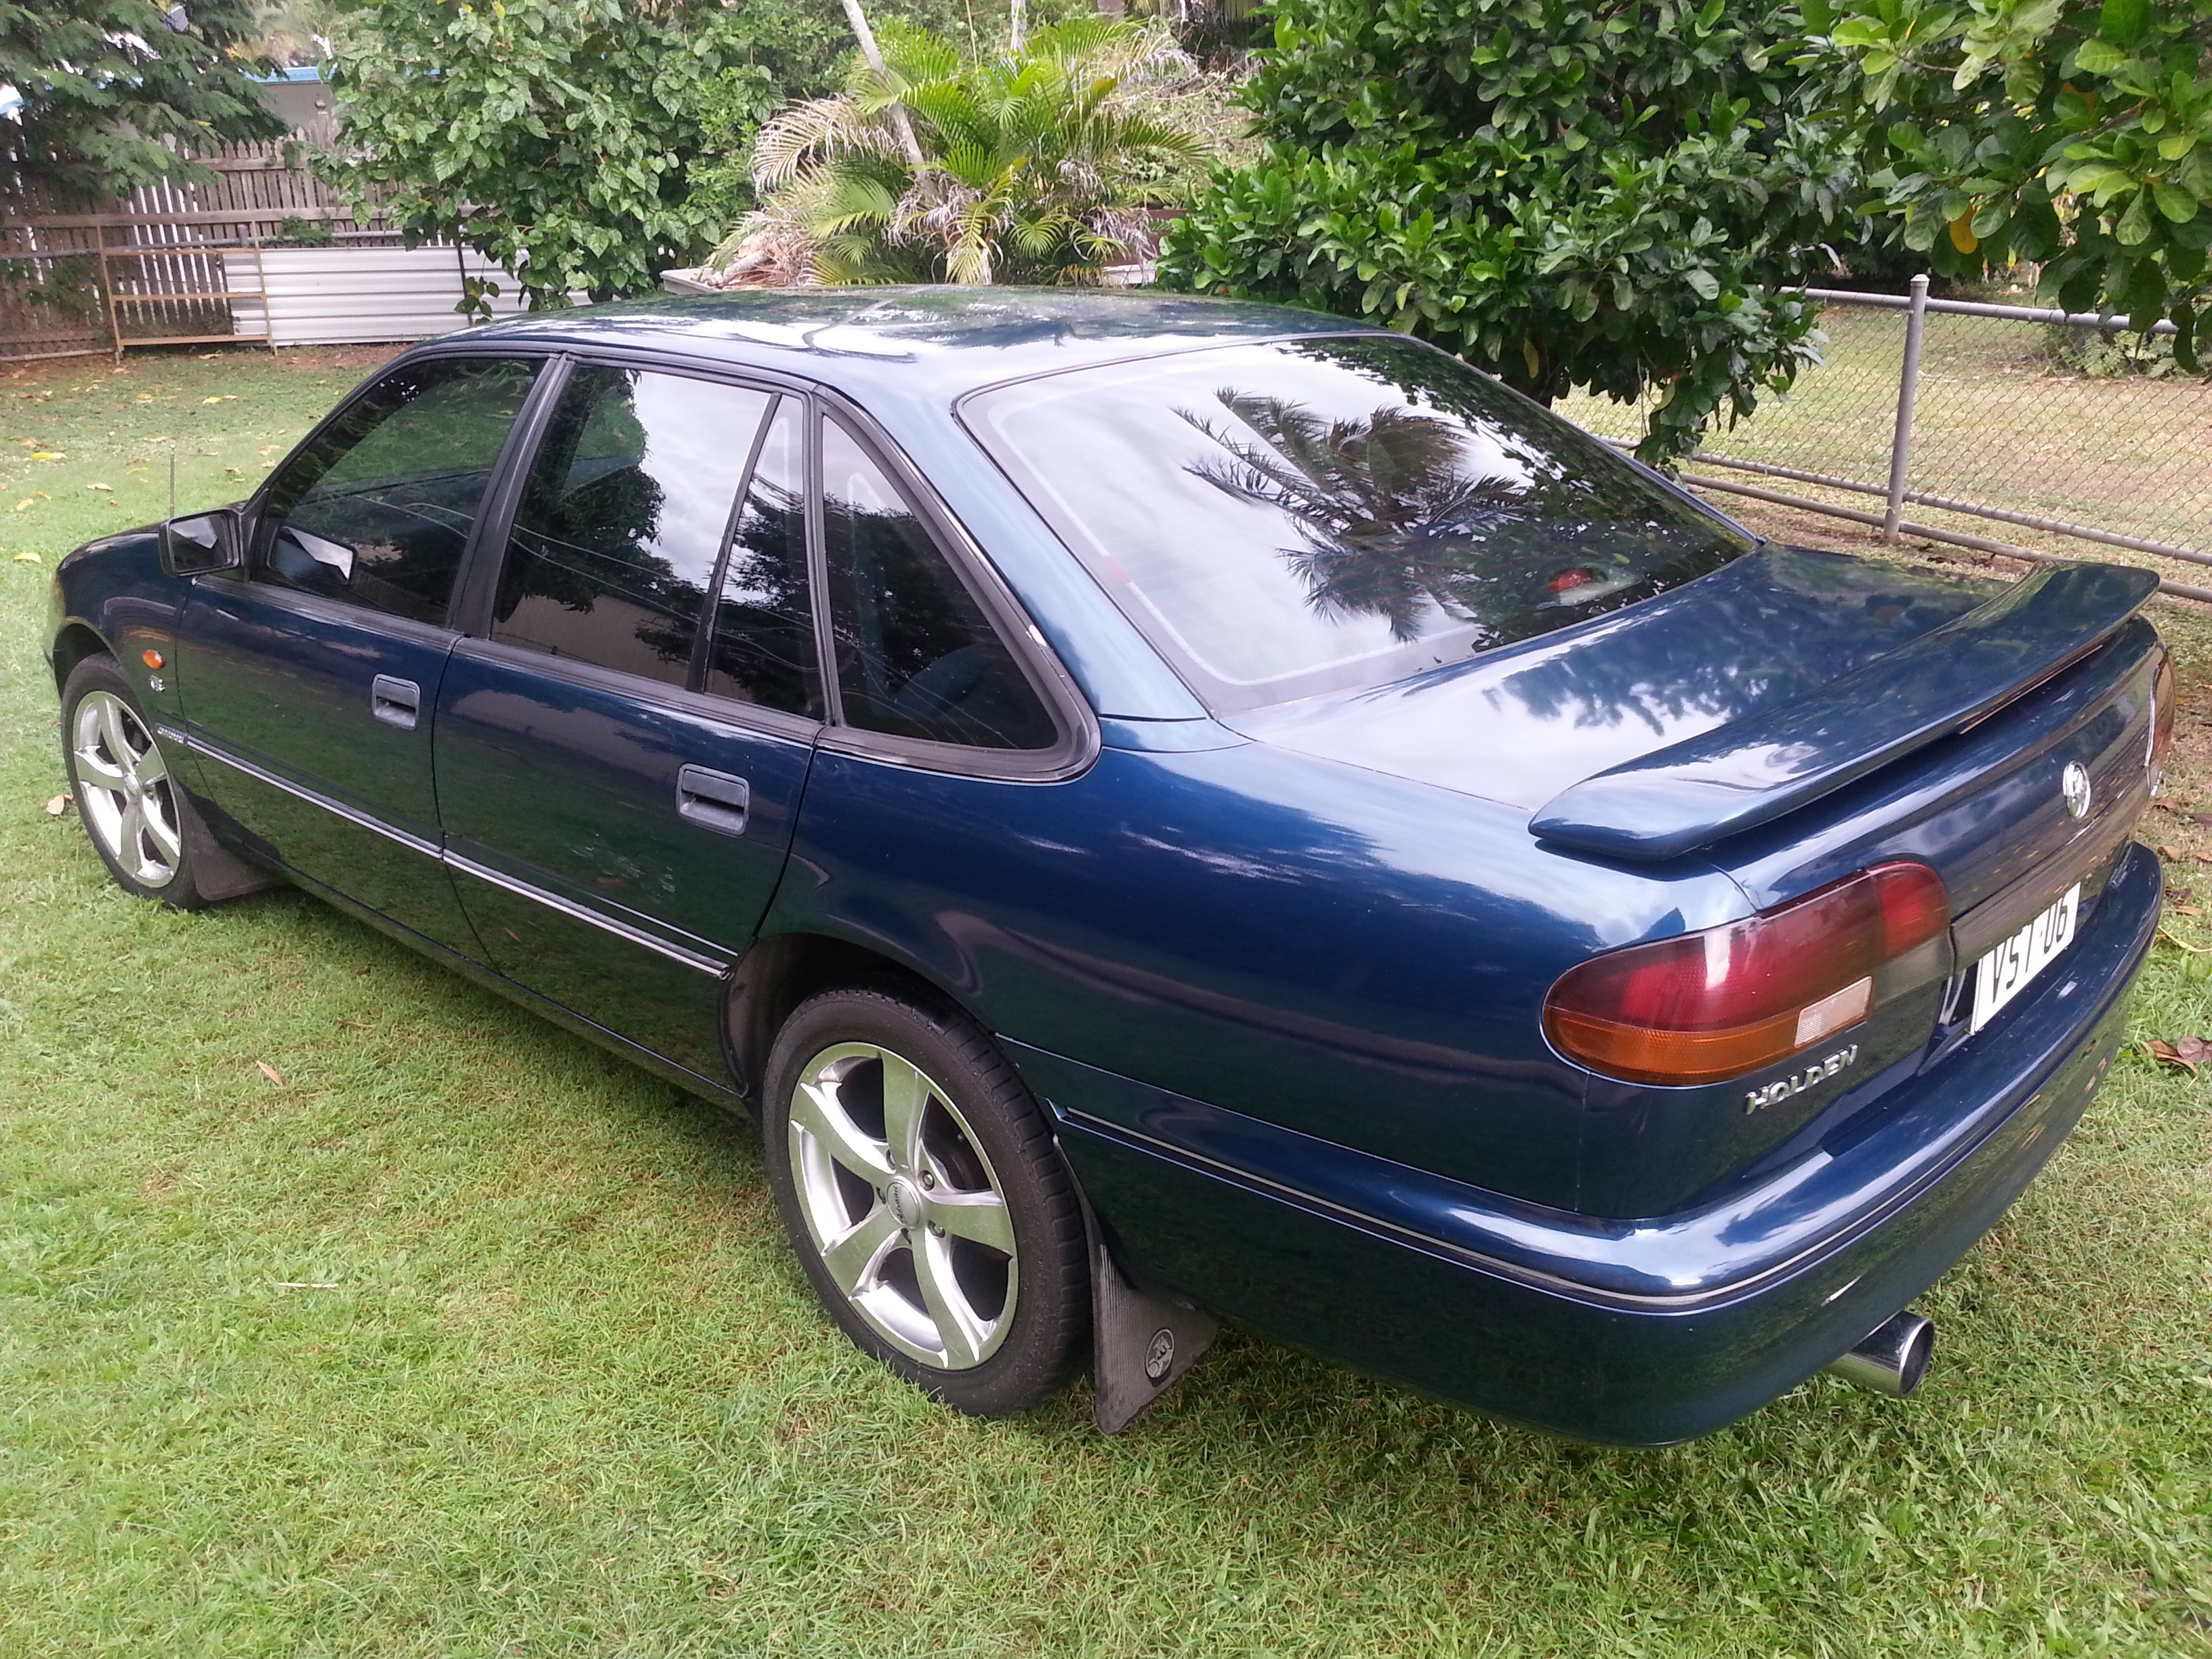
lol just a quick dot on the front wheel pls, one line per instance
(927, 1201)
(131, 807)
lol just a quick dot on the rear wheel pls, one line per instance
(928, 1204)
(121, 779)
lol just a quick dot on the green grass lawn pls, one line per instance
(463, 1337)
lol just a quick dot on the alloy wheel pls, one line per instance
(124, 789)
(904, 1208)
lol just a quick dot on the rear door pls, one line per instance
(624, 736)
(308, 681)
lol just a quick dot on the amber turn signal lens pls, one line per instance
(2162, 710)
(1704, 1006)
(151, 658)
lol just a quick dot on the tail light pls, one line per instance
(2162, 708)
(1716, 1003)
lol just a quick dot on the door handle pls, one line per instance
(713, 800)
(395, 702)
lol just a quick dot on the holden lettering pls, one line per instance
(1817, 1073)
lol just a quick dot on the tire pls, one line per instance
(132, 810)
(927, 1200)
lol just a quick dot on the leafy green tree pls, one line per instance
(555, 136)
(585, 145)
(112, 93)
(2073, 133)
(1607, 194)
(1032, 164)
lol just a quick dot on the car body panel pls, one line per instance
(1726, 782)
(1296, 939)
(280, 701)
(563, 783)
(1629, 1335)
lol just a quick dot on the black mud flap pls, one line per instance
(218, 873)
(1141, 1344)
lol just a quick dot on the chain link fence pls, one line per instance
(1959, 422)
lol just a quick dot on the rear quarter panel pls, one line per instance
(1306, 943)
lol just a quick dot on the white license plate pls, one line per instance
(2005, 971)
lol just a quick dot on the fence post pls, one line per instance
(1908, 384)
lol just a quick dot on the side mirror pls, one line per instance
(203, 542)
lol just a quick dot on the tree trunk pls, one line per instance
(870, 51)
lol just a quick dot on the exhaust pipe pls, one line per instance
(1893, 1360)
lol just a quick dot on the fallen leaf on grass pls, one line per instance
(28, 558)
(227, 398)
(99, 486)
(48, 455)
(59, 804)
(2189, 1052)
(269, 1072)
(2190, 910)
(305, 1285)
(24, 505)
(2171, 855)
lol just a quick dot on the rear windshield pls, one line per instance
(1322, 514)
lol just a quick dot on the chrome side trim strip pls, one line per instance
(201, 746)
(712, 966)
(705, 964)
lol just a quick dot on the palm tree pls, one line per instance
(1392, 523)
(1037, 165)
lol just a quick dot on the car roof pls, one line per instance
(936, 342)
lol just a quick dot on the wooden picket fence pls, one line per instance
(78, 277)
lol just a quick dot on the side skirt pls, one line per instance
(690, 1081)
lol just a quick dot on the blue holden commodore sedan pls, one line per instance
(1167, 810)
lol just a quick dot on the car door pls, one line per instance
(308, 680)
(623, 738)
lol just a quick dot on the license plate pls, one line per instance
(2005, 971)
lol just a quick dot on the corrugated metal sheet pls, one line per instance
(349, 296)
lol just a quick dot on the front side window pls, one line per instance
(378, 509)
(1323, 514)
(624, 520)
(916, 656)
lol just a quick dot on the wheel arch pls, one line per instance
(74, 642)
(782, 971)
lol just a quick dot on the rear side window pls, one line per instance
(916, 656)
(763, 645)
(378, 509)
(624, 520)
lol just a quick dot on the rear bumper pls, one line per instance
(1631, 1333)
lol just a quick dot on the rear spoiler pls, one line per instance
(1757, 768)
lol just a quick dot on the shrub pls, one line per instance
(1564, 193)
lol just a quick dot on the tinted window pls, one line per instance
(763, 646)
(915, 656)
(378, 509)
(1319, 514)
(624, 518)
